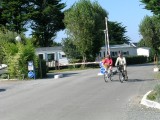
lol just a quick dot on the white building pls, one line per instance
(126, 49)
(52, 54)
(143, 51)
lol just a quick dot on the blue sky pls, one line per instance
(128, 12)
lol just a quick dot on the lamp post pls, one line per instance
(18, 38)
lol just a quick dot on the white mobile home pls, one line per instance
(126, 49)
(52, 54)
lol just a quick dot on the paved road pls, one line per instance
(80, 95)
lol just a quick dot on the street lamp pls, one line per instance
(18, 38)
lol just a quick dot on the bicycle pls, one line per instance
(122, 73)
(107, 75)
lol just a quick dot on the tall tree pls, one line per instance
(142, 43)
(70, 49)
(13, 15)
(117, 33)
(85, 24)
(150, 31)
(46, 17)
(153, 5)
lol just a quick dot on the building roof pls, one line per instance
(130, 45)
(57, 48)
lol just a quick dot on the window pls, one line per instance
(50, 57)
(63, 56)
(41, 56)
(126, 53)
(114, 54)
(99, 54)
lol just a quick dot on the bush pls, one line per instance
(155, 94)
(17, 57)
(152, 96)
(41, 68)
(133, 60)
(157, 89)
(4, 76)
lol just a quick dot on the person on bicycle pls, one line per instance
(121, 60)
(108, 62)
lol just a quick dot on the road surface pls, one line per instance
(79, 95)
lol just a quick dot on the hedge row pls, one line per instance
(134, 60)
(129, 59)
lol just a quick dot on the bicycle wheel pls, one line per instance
(126, 77)
(106, 77)
(110, 76)
(121, 77)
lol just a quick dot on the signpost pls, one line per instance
(31, 73)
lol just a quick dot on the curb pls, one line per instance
(149, 103)
(58, 76)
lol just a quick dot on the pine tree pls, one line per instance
(46, 16)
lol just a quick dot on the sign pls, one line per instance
(30, 65)
(31, 74)
(102, 69)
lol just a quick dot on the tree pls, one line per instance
(70, 49)
(17, 57)
(85, 24)
(142, 43)
(46, 17)
(153, 5)
(13, 15)
(117, 33)
(150, 31)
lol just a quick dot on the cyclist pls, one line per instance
(121, 60)
(108, 63)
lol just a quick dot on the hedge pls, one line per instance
(134, 60)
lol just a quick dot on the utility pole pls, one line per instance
(106, 35)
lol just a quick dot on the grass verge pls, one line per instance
(155, 94)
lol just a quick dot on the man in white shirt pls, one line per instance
(121, 60)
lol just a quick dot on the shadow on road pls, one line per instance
(2, 90)
(135, 65)
(68, 74)
(139, 80)
(133, 80)
(51, 75)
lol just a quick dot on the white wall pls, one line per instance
(143, 51)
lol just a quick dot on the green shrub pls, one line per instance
(17, 57)
(4, 76)
(157, 89)
(152, 96)
(133, 60)
(155, 94)
(41, 68)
